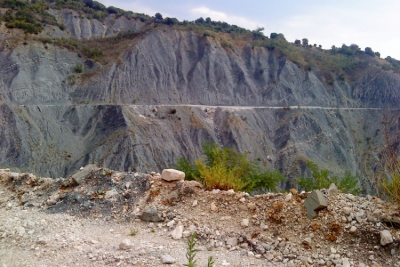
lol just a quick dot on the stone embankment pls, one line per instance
(100, 217)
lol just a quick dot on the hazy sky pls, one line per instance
(367, 23)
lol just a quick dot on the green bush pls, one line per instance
(323, 179)
(78, 68)
(225, 168)
(190, 170)
(391, 185)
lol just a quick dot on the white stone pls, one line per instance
(177, 232)
(172, 175)
(345, 262)
(288, 197)
(353, 229)
(347, 210)
(245, 223)
(386, 237)
(333, 190)
(213, 207)
(171, 223)
(195, 203)
(333, 250)
(167, 259)
(125, 244)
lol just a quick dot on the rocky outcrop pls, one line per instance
(172, 91)
(81, 27)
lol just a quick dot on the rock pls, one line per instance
(233, 241)
(333, 190)
(288, 197)
(245, 223)
(172, 196)
(111, 194)
(193, 184)
(386, 238)
(353, 229)
(171, 223)
(195, 202)
(293, 191)
(213, 207)
(177, 232)
(251, 206)
(307, 241)
(20, 230)
(172, 175)
(345, 262)
(167, 259)
(314, 202)
(81, 175)
(125, 244)
(151, 215)
(263, 226)
(347, 210)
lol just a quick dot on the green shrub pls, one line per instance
(78, 68)
(323, 179)
(391, 185)
(190, 170)
(225, 168)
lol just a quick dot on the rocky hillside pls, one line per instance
(100, 217)
(129, 92)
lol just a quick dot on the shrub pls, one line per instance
(190, 170)
(323, 179)
(78, 68)
(391, 187)
(225, 168)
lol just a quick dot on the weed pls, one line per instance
(191, 253)
(133, 232)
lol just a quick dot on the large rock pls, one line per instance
(172, 175)
(151, 215)
(314, 202)
(386, 238)
(80, 175)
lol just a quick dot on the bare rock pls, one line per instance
(333, 190)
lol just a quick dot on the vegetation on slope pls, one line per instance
(225, 168)
(335, 64)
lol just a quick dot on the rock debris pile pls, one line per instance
(100, 217)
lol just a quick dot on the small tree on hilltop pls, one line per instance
(158, 16)
(305, 41)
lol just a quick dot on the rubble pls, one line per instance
(272, 229)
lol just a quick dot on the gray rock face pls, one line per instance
(142, 113)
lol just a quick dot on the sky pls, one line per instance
(367, 23)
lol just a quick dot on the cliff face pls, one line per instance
(166, 96)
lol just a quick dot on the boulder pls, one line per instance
(80, 175)
(314, 202)
(172, 175)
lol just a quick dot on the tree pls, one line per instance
(377, 54)
(199, 21)
(208, 20)
(369, 51)
(273, 35)
(297, 42)
(158, 16)
(305, 41)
